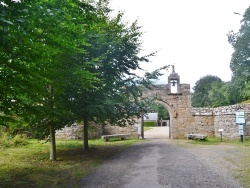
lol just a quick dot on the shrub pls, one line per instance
(20, 139)
(7, 140)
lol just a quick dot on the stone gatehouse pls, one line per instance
(176, 98)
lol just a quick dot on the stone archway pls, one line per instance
(175, 97)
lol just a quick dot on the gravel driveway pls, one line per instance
(159, 162)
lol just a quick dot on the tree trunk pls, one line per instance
(85, 131)
(52, 143)
(142, 126)
(51, 127)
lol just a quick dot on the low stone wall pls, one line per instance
(95, 131)
(70, 132)
(76, 132)
(129, 129)
(210, 120)
(203, 121)
(225, 118)
(200, 120)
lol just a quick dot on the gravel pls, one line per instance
(159, 162)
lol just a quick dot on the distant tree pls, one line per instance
(218, 95)
(246, 91)
(200, 96)
(162, 111)
(240, 61)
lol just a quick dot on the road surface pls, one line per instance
(159, 163)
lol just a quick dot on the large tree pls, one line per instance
(43, 48)
(200, 96)
(114, 47)
(240, 61)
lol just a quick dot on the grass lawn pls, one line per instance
(29, 165)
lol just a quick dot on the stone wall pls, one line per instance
(210, 120)
(76, 132)
(95, 131)
(129, 129)
(225, 118)
(188, 120)
(202, 121)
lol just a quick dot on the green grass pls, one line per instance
(150, 124)
(29, 165)
(215, 141)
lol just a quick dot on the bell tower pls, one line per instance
(174, 82)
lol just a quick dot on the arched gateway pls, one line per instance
(176, 98)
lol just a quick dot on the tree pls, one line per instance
(114, 46)
(240, 61)
(162, 112)
(246, 91)
(46, 58)
(218, 95)
(200, 97)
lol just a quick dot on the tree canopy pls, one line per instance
(66, 60)
(240, 61)
(200, 96)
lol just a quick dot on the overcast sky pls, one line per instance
(192, 34)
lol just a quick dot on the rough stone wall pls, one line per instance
(210, 120)
(70, 132)
(203, 121)
(129, 129)
(225, 118)
(75, 131)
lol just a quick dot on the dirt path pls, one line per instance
(159, 162)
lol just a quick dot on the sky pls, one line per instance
(190, 34)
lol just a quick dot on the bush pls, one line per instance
(20, 139)
(7, 140)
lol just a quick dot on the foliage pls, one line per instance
(9, 140)
(218, 95)
(246, 91)
(240, 61)
(162, 112)
(64, 61)
(115, 48)
(200, 96)
(48, 46)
